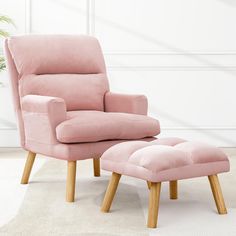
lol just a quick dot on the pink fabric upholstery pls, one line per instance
(201, 153)
(136, 104)
(41, 116)
(53, 78)
(67, 87)
(75, 151)
(15, 93)
(156, 161)
(56, 54)
(170, 141)
(93, 126)
(158, 158)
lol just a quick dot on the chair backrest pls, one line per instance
(67, 66)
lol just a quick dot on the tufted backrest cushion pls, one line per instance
(66, 66)
(56, 54)
(80, 91)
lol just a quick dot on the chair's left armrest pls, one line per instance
(41, 115)
(136, 104)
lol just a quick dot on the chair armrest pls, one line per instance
(41, 115)
(136, 104)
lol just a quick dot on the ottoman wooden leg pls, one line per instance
(154, 197)
(173, 189)
(217, 193)
(110, 193)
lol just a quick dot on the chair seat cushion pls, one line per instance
(165, 159)
(93, 126)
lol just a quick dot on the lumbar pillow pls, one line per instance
(80, 91)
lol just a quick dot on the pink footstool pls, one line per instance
(168, 159)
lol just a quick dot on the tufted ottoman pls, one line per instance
(168, 159)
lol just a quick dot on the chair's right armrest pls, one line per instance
(41, 115)
(134, 104)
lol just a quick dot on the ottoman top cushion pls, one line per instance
(165, 159)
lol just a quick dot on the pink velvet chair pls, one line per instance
(63, 104)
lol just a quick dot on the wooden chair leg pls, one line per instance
(110, 193)
(149, 185)
(217, 193)
(28, 167)
(173, 189)
(70, 182)
(96, 167)
(154, 197)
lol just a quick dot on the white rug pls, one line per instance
(45, 212)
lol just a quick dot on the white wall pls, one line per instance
(181, 54)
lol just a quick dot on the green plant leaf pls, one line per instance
(4, 33)
(6, 19)
(2, 66)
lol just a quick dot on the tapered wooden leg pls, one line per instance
(96, 167)
(110, 193)
(154, 197)
(173, 189)
(217, 193)
(149, 185)
(70, 182)
(28, 167)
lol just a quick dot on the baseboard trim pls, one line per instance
(221, 137)
(9, 137)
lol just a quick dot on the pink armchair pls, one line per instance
(63, 104)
